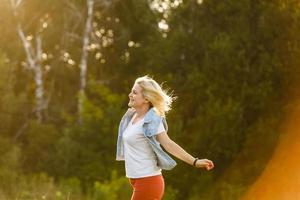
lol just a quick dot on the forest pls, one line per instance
(67, 66)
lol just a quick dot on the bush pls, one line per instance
(115, 189)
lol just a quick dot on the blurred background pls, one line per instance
(67, 66)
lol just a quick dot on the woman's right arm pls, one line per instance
(177, 151)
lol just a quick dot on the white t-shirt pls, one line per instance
(140, 160)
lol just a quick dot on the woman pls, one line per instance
(142, 130)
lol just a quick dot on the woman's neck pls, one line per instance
(140, 112)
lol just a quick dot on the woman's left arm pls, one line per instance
(177, 151)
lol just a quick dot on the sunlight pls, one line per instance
(164, 7)
(71, 62)
(126, 57)
(67, 68)
(45, 25)
(199, 1)
(163, 25)
(44, 56)
(98, 55)
(110, 33)
(281, 177)
(29, 37)
(47, 68)
(98, 34)
(102, 61)
(130, 44)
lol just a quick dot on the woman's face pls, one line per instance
(136, 98)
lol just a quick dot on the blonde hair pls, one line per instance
(154, 93)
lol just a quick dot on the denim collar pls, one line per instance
(149, 116)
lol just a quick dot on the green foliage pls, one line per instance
(10, 102)
(38, 145)
(9, 166)
(87, 151)
(114, 189)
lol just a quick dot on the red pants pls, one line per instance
(148, 188)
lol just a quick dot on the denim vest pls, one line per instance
(150, 127)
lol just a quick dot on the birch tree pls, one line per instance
(34, 60)
(92, 39)
(84, 57)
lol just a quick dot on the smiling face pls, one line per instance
(136, 98)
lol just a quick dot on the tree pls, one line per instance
(34, 59)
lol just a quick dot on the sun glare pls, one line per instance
(281, 177)
(163, 25)
(164, 7)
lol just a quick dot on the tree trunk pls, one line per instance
(84, 57)
(34, 62)
(38, 78)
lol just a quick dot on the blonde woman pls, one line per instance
(142, 130)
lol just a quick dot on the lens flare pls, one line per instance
(281, 178)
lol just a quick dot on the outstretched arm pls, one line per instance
(177, 151)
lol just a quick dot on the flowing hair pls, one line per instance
(153, 92)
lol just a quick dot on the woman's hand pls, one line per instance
(204, 163)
